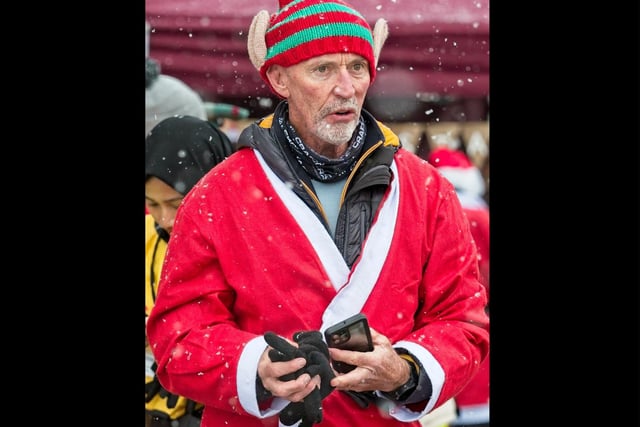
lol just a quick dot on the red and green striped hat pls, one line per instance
(303, 29)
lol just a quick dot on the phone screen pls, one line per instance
(350, 334)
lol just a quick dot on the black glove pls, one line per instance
(154, 387)
(312, 347)
(151, 389)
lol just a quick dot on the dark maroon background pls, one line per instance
(433, 66)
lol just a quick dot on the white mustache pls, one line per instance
(350, 104)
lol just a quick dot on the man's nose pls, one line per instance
(344, 85)
(167, 218)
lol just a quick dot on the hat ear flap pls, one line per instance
(380, 33)
(256, 42)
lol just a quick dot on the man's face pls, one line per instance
(162, 202)
(325, 95)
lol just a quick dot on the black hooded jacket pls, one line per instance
(365, 187)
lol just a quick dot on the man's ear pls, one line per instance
(278, 80)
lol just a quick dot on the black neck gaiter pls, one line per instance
(319, 167)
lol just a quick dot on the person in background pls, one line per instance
(320, 214)
(472, 403)
(167, 96)
(178, 152)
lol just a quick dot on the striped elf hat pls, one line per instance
(303, 29)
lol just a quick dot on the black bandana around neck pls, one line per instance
(319, 167)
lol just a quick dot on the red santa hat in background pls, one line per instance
(459, 170)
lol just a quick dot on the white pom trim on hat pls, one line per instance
(169, 96)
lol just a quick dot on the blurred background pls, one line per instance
(432, 85)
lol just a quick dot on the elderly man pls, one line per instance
(319, 215)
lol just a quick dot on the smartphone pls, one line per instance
(350, 334)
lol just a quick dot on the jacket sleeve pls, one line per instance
(447, 328)
(451, 331)
(192, 311)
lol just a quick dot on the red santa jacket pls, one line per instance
(247, 257)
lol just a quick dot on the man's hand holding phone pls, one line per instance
(380, 369)
(351, 334)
